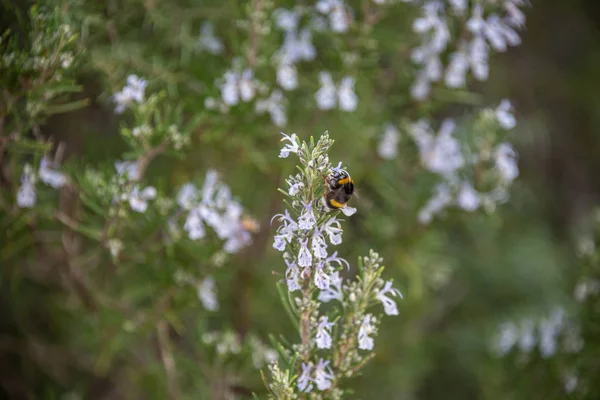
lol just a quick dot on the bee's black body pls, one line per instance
(340, 189)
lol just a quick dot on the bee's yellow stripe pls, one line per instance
(337, 204)
(345, 181)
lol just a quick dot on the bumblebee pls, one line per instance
(340, 188)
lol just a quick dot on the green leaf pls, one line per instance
(286, 305)
(66, 107)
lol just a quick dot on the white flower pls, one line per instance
(26, 195)
(50, 176)
(321, 279)
(304, 256)
(323, 336)
(334, 291)
(293, 147)
(133, 91)
(187, 196)
(365, 342)
(333, 229)
(347, 98)
(318, 245)
(326, 95)
(389, 305)
(338, 18)
(323, 375)
(274, 105)
(348, 211)
(459, 6)
(456, 73)
(127, 169)
(247, 85)
(507, 338)
(285, 231)
(304, 381)
(437, 203)
(388, 145)
(208, 41)
(295, 187)
(194, 225)
(307, 219)
(279, 242)
(468, 197)
(138, 200)
(208, 295)
(292, 276)
(286, 20)
(229, 89)
(527, 338)
(506, 162)
(504, 116)
(570, 382)
(549, 331)
(442, 154)
(287, 76)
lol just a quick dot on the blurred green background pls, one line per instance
(462, 276)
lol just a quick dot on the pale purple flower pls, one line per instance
(207, 293)
(247, 85)
(347, 98)
(194, 225)
(26, 195)
(304, 255)
(323, 375)
(304, 381)
(348, 211)
(506, 162)
(275, 106)
(507, 338)
(285, 19)
(334, 291)
(323, 336)
(388, 145)
(295, 187)
(187, 196)
(326, 95)
(292, 276)
(321, 279)
(133, 91)
(287, 76)
(468, 197)
(440, 200)
(504, 116)
(318, 245)
(307, 219)
(127, 169)
(138, 199)
(527, 338)
(50, 176)
(293, 147)
(229, 89)
(208, 41)
(365, 342)
(389, 305)
(338, 260)
(333, 229)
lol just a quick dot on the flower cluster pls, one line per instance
(472, 50)
(229, 343)
(127, 175)
(132, 92)
(306, 232)
(449, 158)
(47, 172)
(543, 333)
(213, 206)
